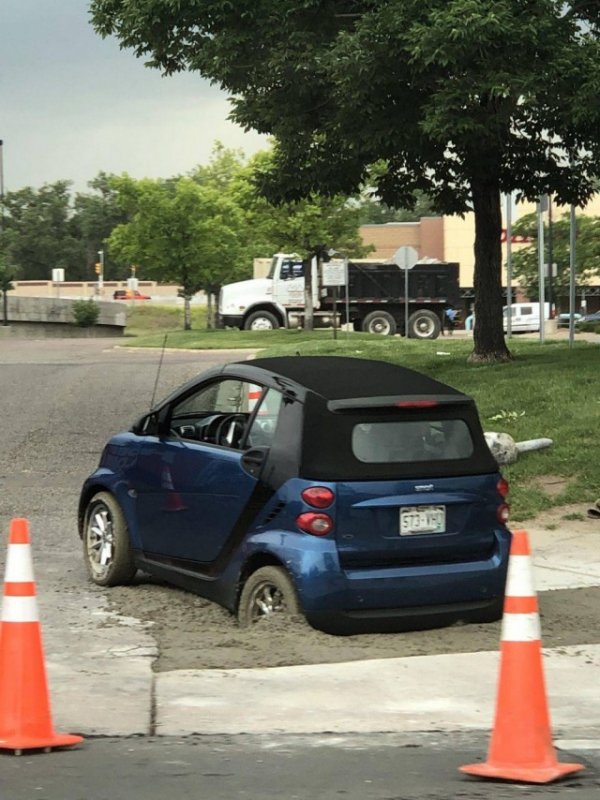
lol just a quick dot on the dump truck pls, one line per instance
(373, 299)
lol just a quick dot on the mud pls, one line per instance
(193, 633)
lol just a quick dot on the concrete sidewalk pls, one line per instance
(96, 690)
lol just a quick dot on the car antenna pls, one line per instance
(162, 353)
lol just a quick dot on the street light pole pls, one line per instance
(101, 273)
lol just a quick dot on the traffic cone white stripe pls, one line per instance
(521, 628)
(20, 609)
(19, 565)
(519, 581)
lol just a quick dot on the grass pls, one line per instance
(549, 390)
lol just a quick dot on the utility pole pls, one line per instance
(100, 271)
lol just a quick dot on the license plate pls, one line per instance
(422, 519)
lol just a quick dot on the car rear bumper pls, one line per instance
(395, 620)
(406, 597)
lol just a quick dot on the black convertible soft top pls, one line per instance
(337, 377)
(341, 392)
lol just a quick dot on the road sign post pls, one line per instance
(335, 273)
(405, 258)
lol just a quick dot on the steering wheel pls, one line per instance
(230, 430)
(206, 429)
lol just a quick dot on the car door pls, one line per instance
(192, 486)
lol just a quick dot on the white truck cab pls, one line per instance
(268, 303)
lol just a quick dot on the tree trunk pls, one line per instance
(308, 298)
(488, 332)
(187, 313)
(210, 314)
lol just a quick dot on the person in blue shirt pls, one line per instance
(450, 318)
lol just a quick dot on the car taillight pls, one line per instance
(502, 487)
(318, 496)
(503, 513)
(314, 523)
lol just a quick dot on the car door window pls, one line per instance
(217, 413)
(262, 429)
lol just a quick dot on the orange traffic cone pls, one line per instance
(521, 747)
(25, 722)
(174, 501)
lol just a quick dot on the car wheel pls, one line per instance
(424, 324)
(261, 321)
(267, 591)
(380, 322)
(106, 547)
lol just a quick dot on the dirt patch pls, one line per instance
(551, 485)
(193, 633)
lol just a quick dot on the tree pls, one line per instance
(461, 99)
(308, 227)
(180, 232)
(374, 212)
(526, 260)
(43, 234)
(95, 216)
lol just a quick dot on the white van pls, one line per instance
(525, 316)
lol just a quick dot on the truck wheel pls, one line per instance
(261, 321)
(379, 322)
(424, 325)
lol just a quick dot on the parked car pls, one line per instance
(130, 294)
(595, 317)
(525, 317)
(358, 493)
(563, 320)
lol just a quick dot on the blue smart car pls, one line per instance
(358, 493)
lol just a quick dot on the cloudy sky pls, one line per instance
(73, 104)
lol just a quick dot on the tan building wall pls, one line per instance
(426, 236)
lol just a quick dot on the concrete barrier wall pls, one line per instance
(82, 290)
(43, 316)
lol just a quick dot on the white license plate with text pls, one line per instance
(422, 519)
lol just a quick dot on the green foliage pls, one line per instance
(46, 228)
(95, 216)
(41, 234)
(181, 231)
(85, 313)
(526, 263)
(8, 272)
(459, 99)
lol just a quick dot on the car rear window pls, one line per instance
(403, 441)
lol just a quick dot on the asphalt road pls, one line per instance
(328, 767)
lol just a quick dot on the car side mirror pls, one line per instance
(147, 425)
(253, 461)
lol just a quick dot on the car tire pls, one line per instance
(379, 322)
(261, 321)
(424, 324)
(106, 546)
(269, 590)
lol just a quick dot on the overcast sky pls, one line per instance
(73, 104)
